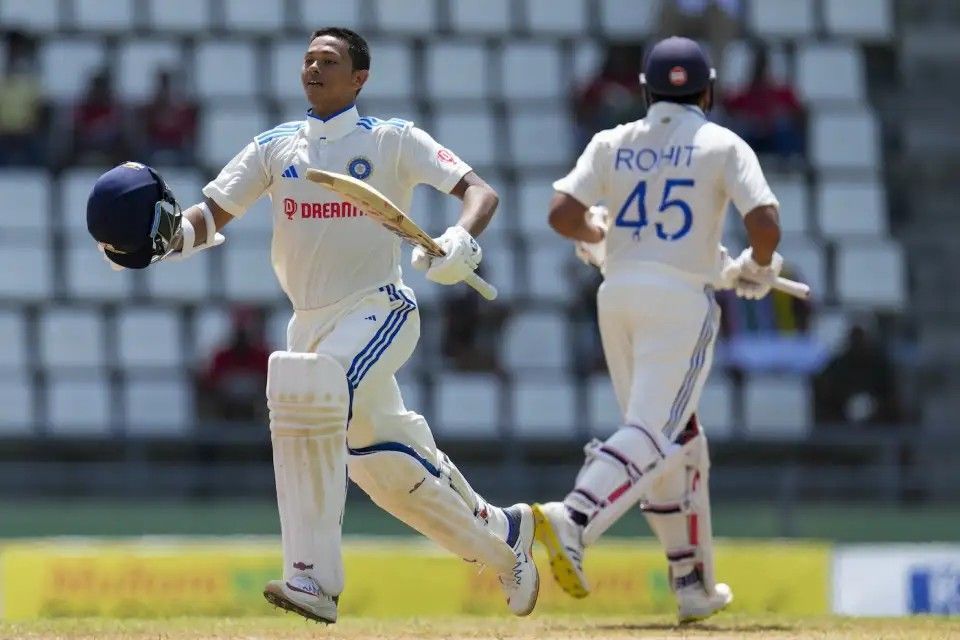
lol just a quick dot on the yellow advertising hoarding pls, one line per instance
(385, 578)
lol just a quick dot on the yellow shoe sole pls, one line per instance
(560, 564)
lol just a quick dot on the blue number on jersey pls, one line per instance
(639, 193)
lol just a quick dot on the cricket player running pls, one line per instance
(667, 179)
(333, 398)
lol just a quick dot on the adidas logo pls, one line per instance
(291, 172)
(371, 317)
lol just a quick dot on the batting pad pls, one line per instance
(308, 399)
(423, 493)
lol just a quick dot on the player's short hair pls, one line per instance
(357, 47)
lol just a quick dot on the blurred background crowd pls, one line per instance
(152, 383)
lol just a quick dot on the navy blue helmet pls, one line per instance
(677, 67)
(134, 215)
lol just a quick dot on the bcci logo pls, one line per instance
(360, 168)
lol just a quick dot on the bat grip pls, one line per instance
(793, 288)
(481, 286)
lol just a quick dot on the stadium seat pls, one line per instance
(557, 17)
(587, 61)
(716, 409)
(26, 194)
(846, 140)
(791, 191)
(549, 82)
(777, 407)
(345, 13)
(445, 64)
(871, 274)
(807, 257)
(830, 328)
(533, 203)
(13, 342)
(275, 331)
(138, 63)
(181, 280)
(225, 132)
(862, 19)
(604, 410)
(738, 60)
(96, 15)
(179, 16)
(225, 69)
(471, 134)
(781, 18)
(391, 75)
(67, 65)
(851, 208)
(75, 185)
(830, 73)
(185, 183)
(26, 270)
(210, 330)
(30, 15)
(254, 16)
(148, 337)
(79, 405)
(535, 340)
(16, 405)
(71, 337)
(467, 405)
(248, 273)
(627, 18)
(499, 264)
(550, 260)
(541, 137)
(414, 17)
(286, 60)
(490, 16)
(544, 408)
(89, 275)
(158, 406)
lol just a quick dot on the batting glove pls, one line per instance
(462, 259)
(594, 253)
(755, 281)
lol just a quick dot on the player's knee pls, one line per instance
(643, 448)
(387, 475)
(306, 392)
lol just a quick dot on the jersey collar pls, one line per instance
(660, 109)
(334, 126)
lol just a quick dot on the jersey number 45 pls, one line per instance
(635, 215)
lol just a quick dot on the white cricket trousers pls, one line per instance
(658, 327)
(371, 334)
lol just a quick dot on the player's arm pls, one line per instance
(479, 203)
(568, 217)
(198, 220)
(763, 232)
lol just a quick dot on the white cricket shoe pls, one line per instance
(564, 543)
(302, 595)
(694, 604)
(521, 585)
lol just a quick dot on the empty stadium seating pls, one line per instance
(467, 406)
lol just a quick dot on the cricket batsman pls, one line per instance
(667, 181)
(334, 401)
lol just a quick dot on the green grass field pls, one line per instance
(559, 628)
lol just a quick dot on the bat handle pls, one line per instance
(793, 288)
(481, 286)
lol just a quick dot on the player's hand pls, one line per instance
(106, 258)
(594, 253)
(754, 281)
(462, 259)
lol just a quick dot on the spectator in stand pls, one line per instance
(714, 22)
(857, 386)
(22, 109)
(233, 385)
(613, 96)
(471, 327)
(99, 131)
(170, 123)
(767, 115)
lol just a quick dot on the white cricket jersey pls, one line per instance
(323, 248)
(667, 181)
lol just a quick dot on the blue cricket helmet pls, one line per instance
(133, 214)
(677, 67)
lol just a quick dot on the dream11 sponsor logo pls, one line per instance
(319, 210)
(935, 589)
